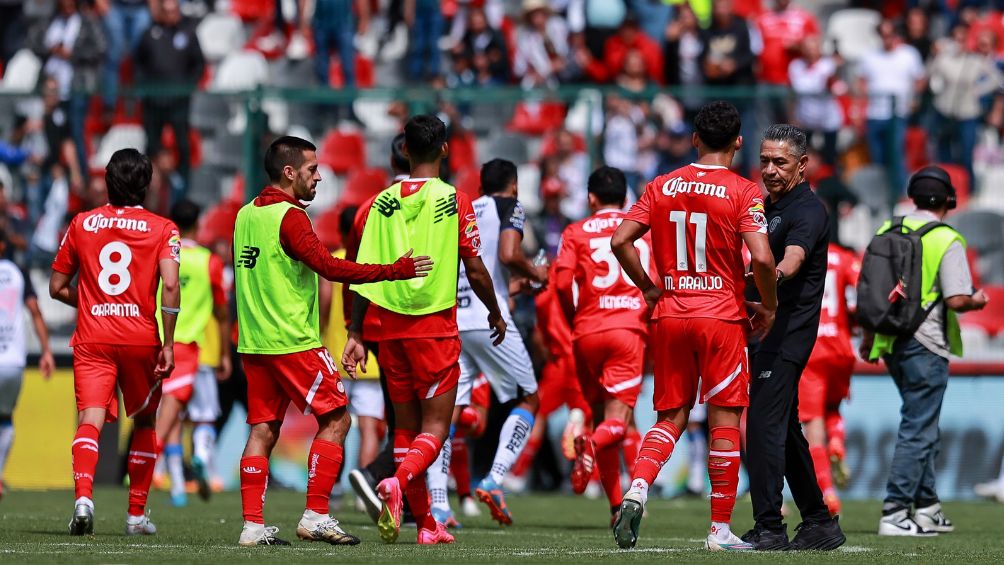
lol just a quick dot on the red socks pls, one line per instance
(142, 458)
(323, 464)
(422, 451)
(835, 431)
(655, 450)
(526, 457)
(460, 465)
(85, 459)
(608, 462)
(821, 461)
(254, 481)
(630, 446)
(723, 469)
(608, 433)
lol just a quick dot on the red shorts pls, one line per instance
(420, 368)
(610, 365)
(97, 368)
(186, 364)
(307, 378)
(825, 382)
(688, 350)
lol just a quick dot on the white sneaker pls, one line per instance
(320, 527)
(901, 524)
(993, 490)
(512, 483)
(594, 490)
(730, 543)
(259, 534)
(470, 507)
(933, 518)
(140, 526)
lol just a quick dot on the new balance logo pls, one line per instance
(251, 470)
(387, 205)
(764, 375)
(445, 207)
(249, 257)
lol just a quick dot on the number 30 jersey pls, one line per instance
(697, 215)
(606, 298)
(117, 252)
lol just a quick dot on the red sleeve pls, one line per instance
(564, 266)
(751, 216)
(470, 237)
(216, 280)
(170, 243)
(301, 243)
(67, 261)
(641, 210)
(811, 26)
(614, 53)
(351, 243)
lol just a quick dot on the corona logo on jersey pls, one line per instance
(249, 257)
(596, 225)
(677, 185)
(98, 222)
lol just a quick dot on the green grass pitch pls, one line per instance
(548, 528)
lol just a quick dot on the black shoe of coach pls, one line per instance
(819, 536)
(765, 539)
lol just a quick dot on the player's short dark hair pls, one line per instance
(398, 158)
(286, 151)
(497, 175)
(127, 177)
(718, 124)
(346, 219)
(794, 136)
(424, 137)
(185, 214)
(608, 185)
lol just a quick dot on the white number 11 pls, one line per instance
(700, 220)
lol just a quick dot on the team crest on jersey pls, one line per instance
(774, 224)
(175, 244)
(757, 213)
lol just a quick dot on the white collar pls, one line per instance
(709, 167)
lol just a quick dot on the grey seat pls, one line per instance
(871, 185)
(984, 233)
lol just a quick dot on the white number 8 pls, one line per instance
(110, 268)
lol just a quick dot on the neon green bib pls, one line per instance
(277, 310)
(935, 244)
(426, 222)
(196, 296)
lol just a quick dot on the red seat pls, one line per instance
(549, 144)
(326, 227)
(361, 186)
(916, 148)
(463, 152)
(218, 223)
(167, 141)
(468, 181)
(991, 318)
(365, 75)
(960, 180)
(252, 10)
(343, 151)
(537, 118)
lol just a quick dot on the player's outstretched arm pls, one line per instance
(481, 284)
(60, 288)
(511, 255)
(170, 300)
(46, 363)
(623, 247)
(764, 274)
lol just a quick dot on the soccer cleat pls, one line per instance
(179, 499)
(594, 490)
(469, 506)
(899, 523)
(201, 478)
(582, 469)
(933, 518)
(445, 517)
(327, 531)
(841, 473)
(832, 502)
(389, 522)
(765, 539)
(513, 483)
(160, 481)
(628, 520)
(83, 518)
(731, 543)
(818, 536)
(259, 534)
(436, 536)
(573, 429)
(364, 485)
(491, 494)
(139, 526)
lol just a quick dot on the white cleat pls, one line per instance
(140, 526)
(901, 524)
(993, 490)
(512, 483)
(933, 518)
(82, 522)
(732, 543)
(469, 507)
(259, 534)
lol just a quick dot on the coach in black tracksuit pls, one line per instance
(775, 446)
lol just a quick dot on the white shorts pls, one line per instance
(365, 397)
(205, 403)
(507, 366)
(10, 388)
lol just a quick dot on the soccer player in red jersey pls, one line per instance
(610, 325)
(120, 252)
(419, 339)
(699, 216)
(826, 380)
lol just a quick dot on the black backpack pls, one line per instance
(889, 290)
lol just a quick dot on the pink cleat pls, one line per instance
(389, 523)
(432, 537)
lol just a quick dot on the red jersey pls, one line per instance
(843, 267)
(782, 33)
(552, 323)
(697, 215)
(607, 298)
(117, 252)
